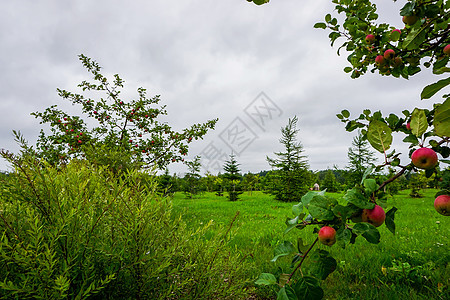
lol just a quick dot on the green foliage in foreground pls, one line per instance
(412, 264)
(81, 232)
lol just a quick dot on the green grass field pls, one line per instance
(413, 264)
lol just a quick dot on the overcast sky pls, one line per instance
(207, 59)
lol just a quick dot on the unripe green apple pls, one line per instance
(410, 20)
(424, 158)
(389, 54)
(395, 35)
(442, 205)
(327, 235)
(374, 216)
(397, 62)
(447, 50)
(370, 38)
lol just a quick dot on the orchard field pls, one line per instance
(412, 264)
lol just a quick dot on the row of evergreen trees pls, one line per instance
(290, 177)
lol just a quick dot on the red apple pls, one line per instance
(374, 216)
(447, 50)
(442, 204)
(389, 54)
(424, 158)
(370, 38)
(327, 235)
(408, 126)
(380, 60)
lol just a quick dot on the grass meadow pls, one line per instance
(412, 264)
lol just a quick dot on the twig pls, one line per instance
(301, 262)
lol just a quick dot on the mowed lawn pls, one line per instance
(412, 264)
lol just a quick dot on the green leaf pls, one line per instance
(266, 279)
(389, 221)
(343, 236)
(309, 195)
(301, 247)
(358, 199)
(411, 139)
(415, 38)
(341, 211)
(408, 9)
(328, 18)
(345, 112)
(286, 248)
(368, 231)
(320, 208)
(320, 25)
(367, 172)
(323, 264)
(286, 293)
(292, 223)
(308, 287)
(371, 185)
(297, 209)
(433, 88)
(419, 123)
(260, 2)
(379, 135)
(441, 121)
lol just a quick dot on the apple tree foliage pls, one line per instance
(119, 133)
(389, 51)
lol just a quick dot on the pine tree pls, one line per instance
(192, 177)
(233, 178)
(360, 158)
(329, 182)
(291, 175)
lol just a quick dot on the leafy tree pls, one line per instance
(292, 176)
(208, 181)
(360, 158)
(232, 178)
(392, 52)
(417, 182)
(123, 135)
(250, 182)
(218, 183)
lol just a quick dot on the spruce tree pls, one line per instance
(192, 177)
(233, 178)
(292, 178)
(360, 158)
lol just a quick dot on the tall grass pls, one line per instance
(412, 264)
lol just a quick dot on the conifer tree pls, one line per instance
(291, 166)
(360, 158)
(233, 178)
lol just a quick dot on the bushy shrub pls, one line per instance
(79, 231)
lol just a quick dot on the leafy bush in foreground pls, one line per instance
(79, 231)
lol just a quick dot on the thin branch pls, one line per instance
(301, 262)
(393, 178)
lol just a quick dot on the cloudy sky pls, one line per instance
(227, 59)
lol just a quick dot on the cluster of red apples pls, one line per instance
(389, 59)
(422, 158)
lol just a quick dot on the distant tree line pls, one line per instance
(290, 177)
